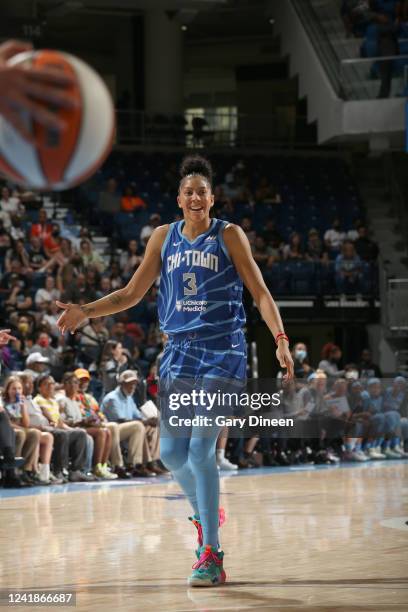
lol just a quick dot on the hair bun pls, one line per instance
(195, 164)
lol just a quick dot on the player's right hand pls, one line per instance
(29, 91)
(71, 318)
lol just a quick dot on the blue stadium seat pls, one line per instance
(302, 277)
(325, 278)
(277, 279)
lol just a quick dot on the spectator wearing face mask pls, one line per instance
(301, 367)
(43, 346)
(52, 241)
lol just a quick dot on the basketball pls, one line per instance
(60, 160)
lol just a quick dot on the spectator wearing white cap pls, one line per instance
(142, 434)
(36, 364)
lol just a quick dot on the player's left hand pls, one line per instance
(284, 357)
(5, 337)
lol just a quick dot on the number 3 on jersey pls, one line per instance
(190, 288)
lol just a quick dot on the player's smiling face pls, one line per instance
(195, 198)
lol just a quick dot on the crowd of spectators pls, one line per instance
(319, 258)
(74, 431)
(340, 413)
(67, 386)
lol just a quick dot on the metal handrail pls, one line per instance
(370, 60)
(347, 84)
(328, 58)
(223, 129)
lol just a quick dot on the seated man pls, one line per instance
(76, 444)
(348, 269)
(72, 414)
(143, 435)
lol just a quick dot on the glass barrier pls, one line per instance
(352, 77)
(397, 296)
(374, 77)
(215, 129)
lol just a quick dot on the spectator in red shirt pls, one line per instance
(43, 228)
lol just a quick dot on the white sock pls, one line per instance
(220, 454)
(44, 471)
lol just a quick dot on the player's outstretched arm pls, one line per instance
(240, 252)
(74, 315)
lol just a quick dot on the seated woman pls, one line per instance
(89, 256)
(33, 444)
(293, 251)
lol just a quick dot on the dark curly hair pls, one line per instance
(195, 164)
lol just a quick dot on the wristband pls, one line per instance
(280, 336)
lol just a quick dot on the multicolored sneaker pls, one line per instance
(208, 571)
(197, 524)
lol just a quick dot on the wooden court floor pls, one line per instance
(327, 540)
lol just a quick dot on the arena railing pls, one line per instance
(321, 42)
(361, 77)
(353, 78)
(212, 129)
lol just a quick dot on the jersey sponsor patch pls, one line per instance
(191, 305)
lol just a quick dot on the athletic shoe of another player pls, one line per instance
(357, 456)
(362, 455)
(375, 453)
(197, 524)
(398, 449)
(208, 570)
(391, 454)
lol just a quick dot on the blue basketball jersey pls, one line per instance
(200, 290)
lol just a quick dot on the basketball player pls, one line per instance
(202, 263)
(30, 91)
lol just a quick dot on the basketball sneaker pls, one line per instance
(197, 524)
(208, 570)
(375, 453)
(225, 465)
(398, 449)
(391, 454)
